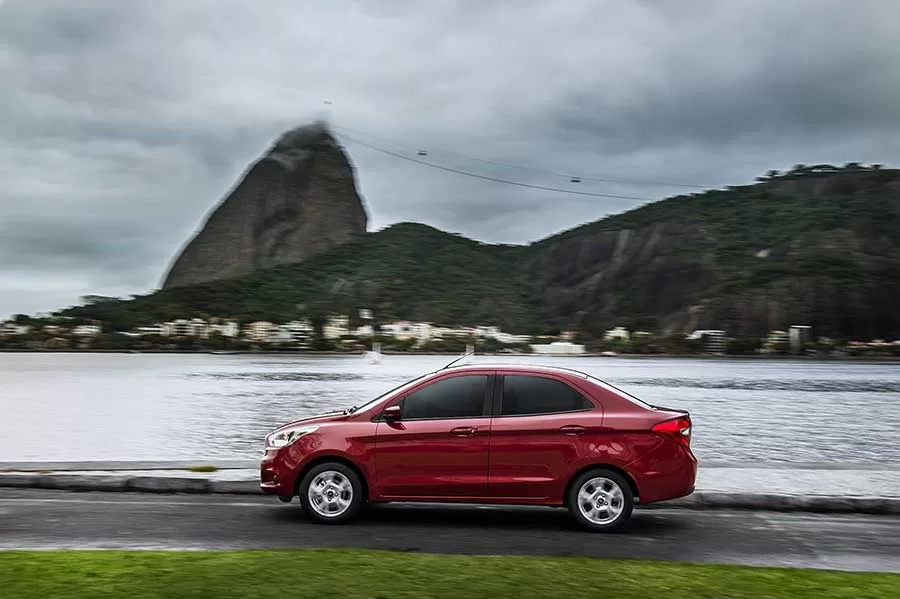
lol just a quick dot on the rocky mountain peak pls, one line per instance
(298, 200)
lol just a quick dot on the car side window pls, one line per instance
(455, 397)
(524, 395)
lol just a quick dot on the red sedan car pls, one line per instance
(487, 434)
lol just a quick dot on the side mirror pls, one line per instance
(392, 413)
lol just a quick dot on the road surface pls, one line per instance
(38, 519)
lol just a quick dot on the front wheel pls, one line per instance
(600, 501)
(331, 493)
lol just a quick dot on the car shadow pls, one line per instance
(426, 515)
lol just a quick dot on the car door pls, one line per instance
(438, 448)
(536, 435)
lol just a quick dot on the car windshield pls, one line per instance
(619, 392)
(385, 394)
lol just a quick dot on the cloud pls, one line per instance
(124, 122)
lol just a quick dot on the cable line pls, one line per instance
(573, 178)
(495, 179)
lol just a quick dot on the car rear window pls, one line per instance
(527, 394)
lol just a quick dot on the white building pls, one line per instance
(799, 336)
(774, 339)
(87, 330)
(509, 338)
(365, 330)
(279, 335)
(403, 330)
(617, 334)
(715, 340)
(153, 329)
(11, 328)
(336, 327)
(443, 332)
(258, 331)
(195, 327)
(298, 330)
(558, 348)
(225, 328)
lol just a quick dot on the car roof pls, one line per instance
(533, 368)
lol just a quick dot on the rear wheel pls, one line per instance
(600, 501)
(331, 493)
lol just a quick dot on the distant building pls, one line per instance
(365, 330)
(558, 348)
(714, 340)
(774, 340)
(156, 330)
(336, 327)
(225, 328)
(300, 331)
(403, 330)
(195, 327)
(510, 339)
(258, 331)
(280, 335)
(444, 332)
(87, 330)
(11, 329)
(799, 336)
(617, 334)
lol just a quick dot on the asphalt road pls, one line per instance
(35, 519)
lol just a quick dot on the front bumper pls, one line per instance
(275, 476)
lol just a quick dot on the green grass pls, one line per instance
(351, 574)
(201, 469)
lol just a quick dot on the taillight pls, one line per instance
(677, 429)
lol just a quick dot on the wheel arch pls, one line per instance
(632, 485)
(324, 459)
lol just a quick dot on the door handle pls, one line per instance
(572, 429)
(463, 431)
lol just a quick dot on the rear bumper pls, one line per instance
(667, 472)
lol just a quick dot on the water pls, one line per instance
(58, 407)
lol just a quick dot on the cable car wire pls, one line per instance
(494, 179)
(570, 176)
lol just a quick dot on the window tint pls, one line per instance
(456, 397)
(539, 395)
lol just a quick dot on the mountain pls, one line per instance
(296, 201)
(816, 245)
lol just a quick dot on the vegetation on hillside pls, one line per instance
(407, 271)
(820, 243)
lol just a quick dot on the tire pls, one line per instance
(331, 493)
(610, 505)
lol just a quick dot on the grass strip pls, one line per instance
(358, 574)
(202, 468)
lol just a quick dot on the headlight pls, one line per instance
(289, 435)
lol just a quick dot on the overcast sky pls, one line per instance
(123, 122)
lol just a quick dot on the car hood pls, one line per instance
(317, 419)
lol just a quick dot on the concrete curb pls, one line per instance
(822, 504)
(700, 500)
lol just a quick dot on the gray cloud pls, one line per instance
(123, 122)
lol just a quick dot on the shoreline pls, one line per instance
(357, 353)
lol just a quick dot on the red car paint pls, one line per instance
(493, 457)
